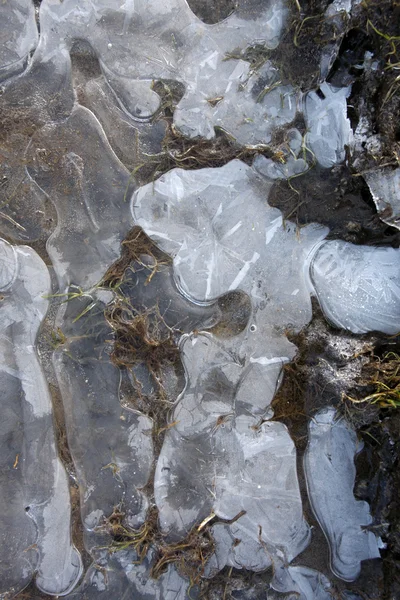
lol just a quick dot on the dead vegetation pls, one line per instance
(190, 555)
(382, 377)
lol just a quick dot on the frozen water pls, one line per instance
(35, 518)
(328, 128)
(123, 576)
(385, 189)
(330, 474)
(18, 35)
(111, 445)
(137, 44)
(86, 182)
(304, 583)
(358, 287)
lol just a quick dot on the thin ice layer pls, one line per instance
(384, 185)
(358, 287)
(328, 128)
(33, 481)
(111, 446)
(86, 182)
(330, 473)
(302, 582)
(122, 575)
(138, 43)
(18, 35)
(223, 236)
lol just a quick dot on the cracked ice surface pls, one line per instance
(35, 518)
(330, 473)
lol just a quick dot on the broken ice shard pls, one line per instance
(384, 185)
(328, 128)
(18, 35)
(330, 474)
(358, 287)
(33, 485)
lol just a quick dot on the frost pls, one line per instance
(330, 474)
(368, 296)
(33, 482)
(384, 185)
(18, 34)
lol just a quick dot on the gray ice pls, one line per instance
(330, 474)
(222, 235)
(18, 35)
(36, 518)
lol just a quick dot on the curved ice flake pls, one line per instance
(18, 35)
(33, 481)
(384, 185)
(358, 287)
(328, 128)
(330, 473)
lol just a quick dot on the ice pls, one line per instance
(358, 287)
(304, 583)
(384, 185)
(86, 182)
(328, 128)
(34, 488)
(111, 446)
(330, 473)
(18, 35)
(122, 575)
(138, 44)
(198, 218)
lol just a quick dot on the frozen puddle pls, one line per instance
(237, 282)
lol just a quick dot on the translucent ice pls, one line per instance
(138, 43)
(18, 35)
(122, 575)
(86, 182)
(328, 128)
(385, 189)
(304, 583)
(330, 474)
(33, 482)
(111, 446)
(358, 287)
